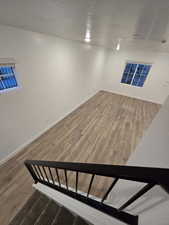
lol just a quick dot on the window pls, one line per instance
(135, 74)
(7, 77)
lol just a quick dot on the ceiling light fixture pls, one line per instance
(87, 40)
(118, 45)
(87, 36)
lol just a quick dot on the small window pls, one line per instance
(135, 74)
(7, 77)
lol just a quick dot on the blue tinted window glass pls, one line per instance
(141, 81)
(124, 77)
(139, 69)
(7, 77)
(135, 74)
(1, 85)
(127, 68)
(128, 73)
(136, 80)
(145, 70)
(129, 79)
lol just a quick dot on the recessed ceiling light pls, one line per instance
(87, 40)
(87, 36)
(118, 46)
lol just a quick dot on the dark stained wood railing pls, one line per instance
(149, 176)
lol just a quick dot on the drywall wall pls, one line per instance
(153, 151)
(55, 75)
(156, 87)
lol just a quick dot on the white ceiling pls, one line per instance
(138, 23)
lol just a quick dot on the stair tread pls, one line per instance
(65, 217)
(26, 208)
(36, 210)
(49, 214)
(81, 221)
(40, 210)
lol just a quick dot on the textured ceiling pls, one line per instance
(138, 23)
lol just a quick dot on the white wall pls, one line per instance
(153, 151)
(156, 88)
(56, 76)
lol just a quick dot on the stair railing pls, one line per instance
(41, 171)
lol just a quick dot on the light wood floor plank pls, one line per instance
(105, 129)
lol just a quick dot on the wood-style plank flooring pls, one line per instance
(105, 129)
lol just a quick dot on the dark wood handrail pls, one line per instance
(140, 174)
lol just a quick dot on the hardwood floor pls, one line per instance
(105, 129)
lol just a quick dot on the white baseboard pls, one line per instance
(21, 148)
(132, 96)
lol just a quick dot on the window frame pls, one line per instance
(137, 65)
